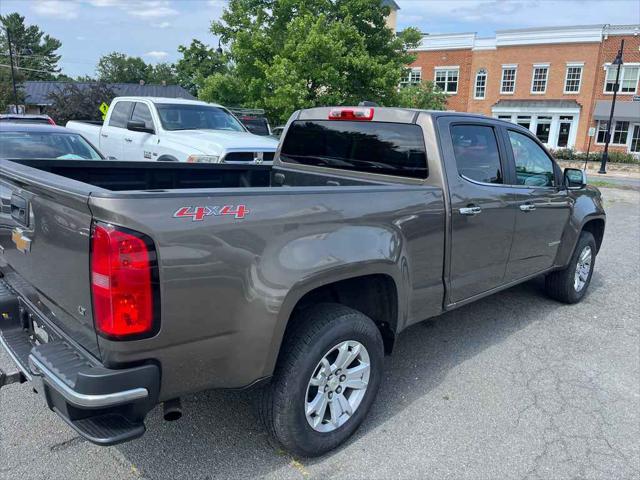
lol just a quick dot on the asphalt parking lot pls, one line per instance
(515, 386)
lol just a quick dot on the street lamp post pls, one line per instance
(605, 154)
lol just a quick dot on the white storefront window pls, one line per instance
(556, 128)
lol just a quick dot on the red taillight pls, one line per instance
(351, 114)
(122, 272)
(51, 122)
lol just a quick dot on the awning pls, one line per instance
(624, 110)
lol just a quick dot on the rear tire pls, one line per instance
(305, 376)
(570, 284)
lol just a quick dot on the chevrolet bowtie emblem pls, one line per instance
(23, 243)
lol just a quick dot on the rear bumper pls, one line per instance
(105, 406)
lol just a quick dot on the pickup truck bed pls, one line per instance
(163, 279)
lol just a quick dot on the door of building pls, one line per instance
(564, 130)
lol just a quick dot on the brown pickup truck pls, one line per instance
(125, 285)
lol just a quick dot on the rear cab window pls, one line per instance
(121, 114)
(476, 152)
(374, 147)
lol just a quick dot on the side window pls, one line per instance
(533, 166)
(141, 113)
(476, 151)
(120, 115)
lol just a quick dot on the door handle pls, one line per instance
(104, 135)
(470, 211)
(128, 140)
(528, 207)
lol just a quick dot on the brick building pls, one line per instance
(558, 81)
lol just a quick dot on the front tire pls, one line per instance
(327, 377)
(570, 284)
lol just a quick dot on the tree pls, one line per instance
(120, 68)
(162, 72)
(34, 52)
(423, 95)
(198, 62)
(79, 102)
(286, 54)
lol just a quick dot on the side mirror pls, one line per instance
(137, 126)
(574, 178)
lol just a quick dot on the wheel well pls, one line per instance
(167, 158)
(374, 295)
(596, 228)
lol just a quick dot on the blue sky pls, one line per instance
(153, 29)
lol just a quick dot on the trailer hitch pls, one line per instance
(13, 377)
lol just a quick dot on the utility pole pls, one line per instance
(13, 73)
(616, 86)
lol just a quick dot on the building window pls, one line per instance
(601, 134)
(481, 84)
(411, 76)
(508, 84)
(628, 78)
(504, 117)
(619, 133)
(539, 79)
(573, 79)
(524, 121)
(446, 79)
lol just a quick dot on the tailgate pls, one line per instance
(45, 241)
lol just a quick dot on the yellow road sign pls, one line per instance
(104, 108)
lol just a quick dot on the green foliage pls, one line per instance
(290, 54)
(423, 96)
(120, 68)
(6, 89)
(614, 156)
(73, 102)
(162, 72)
(198, 62)
(34, 52)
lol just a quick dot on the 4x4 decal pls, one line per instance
(197, 214)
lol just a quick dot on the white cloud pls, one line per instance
(162, 25)
(56, 9)
(157, 54)
(138, 8)
(146, 11)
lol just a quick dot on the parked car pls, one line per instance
(254, 119)
(27, 140)
(174, 130)
(179, 278)
(26, 118)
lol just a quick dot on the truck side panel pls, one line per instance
(228, 284)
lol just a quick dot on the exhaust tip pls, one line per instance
(172, 410)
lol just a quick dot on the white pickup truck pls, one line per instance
(174, 130)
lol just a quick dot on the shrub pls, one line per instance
(614, 157)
